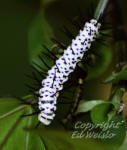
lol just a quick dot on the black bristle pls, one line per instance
(105, 35)
(33, 89)
(65, 102)
(38, 72)
(32, 114)
(67, 33)
(42, 69)
(60, 45)
(49, 51)
(100, 41)
(106, 28)
(44, 62)
(36, 78)
(49, 56)
(37, 125)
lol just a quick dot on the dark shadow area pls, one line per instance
(15, 18)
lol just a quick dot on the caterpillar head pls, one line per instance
(43, 120)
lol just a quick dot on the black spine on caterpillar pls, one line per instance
(59, 73)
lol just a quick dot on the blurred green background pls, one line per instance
(15, 20)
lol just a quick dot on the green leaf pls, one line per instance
(28, 141)
(124, 145)
(111, 114)
(85, 106)
(103, 112)
(117, 95)
(61, 140)
(6, 125)
(117, 76)
(117, 127)
(13, 132)
(9, 105)
(12, 126)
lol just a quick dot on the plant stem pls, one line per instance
(100, 9)
(76, 100)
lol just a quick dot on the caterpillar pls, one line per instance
(64, 66)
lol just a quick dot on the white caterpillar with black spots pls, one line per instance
(59, 73)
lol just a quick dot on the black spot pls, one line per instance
(52, 109)
(51, 102)
(41, 96)
(78, 58)
(64, 76)
(71, 68)
(42, 109)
